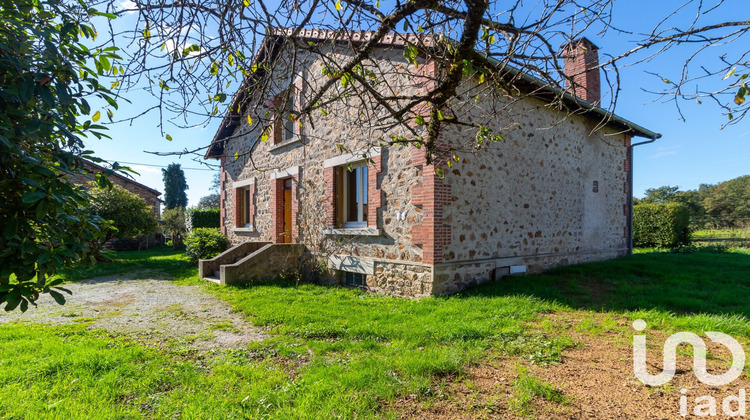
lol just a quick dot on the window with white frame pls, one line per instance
(284, 125)
(244, 202)
(353, 197)
(288, 115)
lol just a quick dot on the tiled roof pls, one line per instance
(272, 40)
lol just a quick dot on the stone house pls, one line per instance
(150, 195)
(86, 176)
(556, 190)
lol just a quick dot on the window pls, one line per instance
(245, 205)
(353, 197)
(285, 124)
(353, 279)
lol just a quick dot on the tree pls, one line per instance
(129, 213)
(660, 195)
(174, 187)
(203, 48)
(210, 201)
(215, 183)
(694, 202)
(728, 203)
(724, 205)
(48, 76)
(174, 224)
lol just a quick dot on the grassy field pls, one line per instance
(732, 238)
(340, 353)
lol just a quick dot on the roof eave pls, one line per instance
(605, 115)
(216, 148)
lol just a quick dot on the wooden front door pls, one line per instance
(287, 211)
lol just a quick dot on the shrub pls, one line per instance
(128, 213)
(174, 225)
(202, 218)
(203, 243)
(661, 225)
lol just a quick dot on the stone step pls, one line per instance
(242, 257)
(213, 279)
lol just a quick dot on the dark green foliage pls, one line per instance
(659, 195)
(722, 206)
(174, 225)
(728, 204)
(204, 243)
(47, 77)
(174, 186)
(129, 213)
(210, 201)
(661, 225)
(203, 218)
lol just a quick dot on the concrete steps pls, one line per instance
(252, 261)
(213, 279)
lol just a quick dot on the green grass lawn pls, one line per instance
(161, 259)
(341, 353)
(725, 237)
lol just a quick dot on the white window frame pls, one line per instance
(361, 217)
(287, 124)
(246, 201)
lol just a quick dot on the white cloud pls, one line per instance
(143, 170)
(662, 154)
(128, 5)
(666, 151)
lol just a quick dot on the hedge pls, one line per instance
(202, 218)
(661, 225)
(204, 243)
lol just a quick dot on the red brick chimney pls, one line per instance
(581, 60)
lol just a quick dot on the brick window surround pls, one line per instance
(333, 171)
(244, 203)
(222, 195)
(277, 204)
(284, 129)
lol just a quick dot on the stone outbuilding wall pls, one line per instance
(150, 195)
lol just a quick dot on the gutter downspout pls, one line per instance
(630, 190)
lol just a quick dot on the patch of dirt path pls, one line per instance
(596, 377)
(148, 309)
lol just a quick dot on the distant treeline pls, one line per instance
(720, 206)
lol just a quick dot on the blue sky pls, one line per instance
(690, 152)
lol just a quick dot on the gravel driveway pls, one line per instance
(148, 309)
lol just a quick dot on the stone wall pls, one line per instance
(392, 172)
(267, 263)
(554, 186)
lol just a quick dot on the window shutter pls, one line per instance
(331, 178)
(373, 191)
(299, 85)
(238, 207)
(251, 205)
